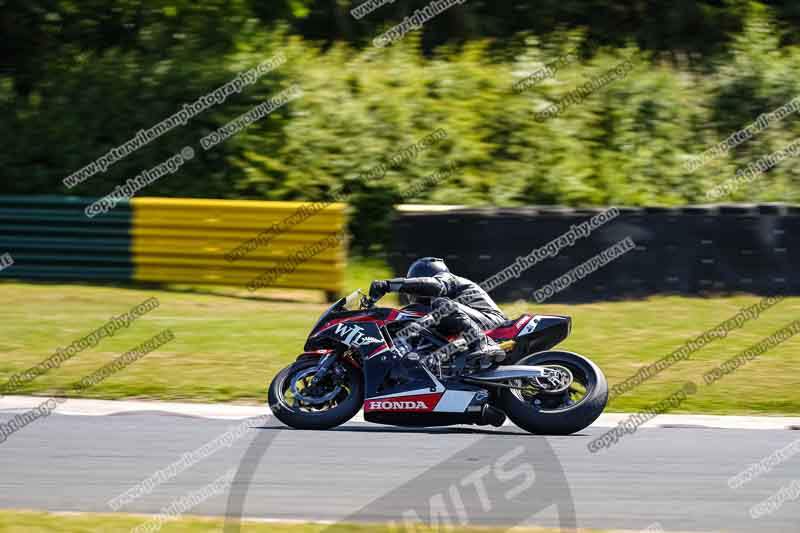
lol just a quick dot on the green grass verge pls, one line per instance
(227, 348)
(33, 522)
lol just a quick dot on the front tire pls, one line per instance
(558, 414)
(298, 414)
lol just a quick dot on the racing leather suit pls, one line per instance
(459, 306)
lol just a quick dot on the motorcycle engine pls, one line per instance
(419, 349)
(442, 365)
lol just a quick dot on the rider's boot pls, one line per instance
(483, 347)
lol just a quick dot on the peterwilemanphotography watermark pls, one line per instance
(720, 331)
(179, 118)
(184, 504)
(133, 185)
(47, 407)
(365, 8)
(753, 171)
(61, 355)
(185, 462)
(761, 123)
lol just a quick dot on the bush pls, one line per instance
(625, 143)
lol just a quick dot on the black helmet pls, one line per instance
(426, 267)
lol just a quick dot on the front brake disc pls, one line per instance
(312, 400)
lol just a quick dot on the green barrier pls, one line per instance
(50, 238)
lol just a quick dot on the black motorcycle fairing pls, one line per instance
(363, 335)
(336, 313)
(335, 308)
(386, 371)
(541, 333)
(389, 373)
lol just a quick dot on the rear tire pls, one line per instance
(562, 420)
(297, 417)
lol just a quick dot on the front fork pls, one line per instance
(324, 367)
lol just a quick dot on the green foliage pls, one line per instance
(626, 143)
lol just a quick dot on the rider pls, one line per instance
(464, 307)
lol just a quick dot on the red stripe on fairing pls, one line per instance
(321, 353)
(522, 321)
(502, 333)
(329, 325)
(391, 317)
(382, 348)
(403, 404)
(509, 332)
(317, 353)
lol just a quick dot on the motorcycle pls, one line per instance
(403, 374)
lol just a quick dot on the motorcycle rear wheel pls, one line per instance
(342, 398)
(558, 414)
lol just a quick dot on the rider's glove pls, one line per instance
(378, 289)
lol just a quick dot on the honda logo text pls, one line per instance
(387, 405)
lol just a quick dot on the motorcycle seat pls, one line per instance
(508, 323)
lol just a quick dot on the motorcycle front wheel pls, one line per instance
(330, 403)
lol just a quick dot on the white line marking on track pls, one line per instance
(84, 407)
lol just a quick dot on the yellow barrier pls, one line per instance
(182, 240)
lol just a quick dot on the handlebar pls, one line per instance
(367, 302)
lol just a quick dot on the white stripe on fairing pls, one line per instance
(530, 326)
(385, 349)
(439, 386)
(533, 324)
(455, 401)
(417, 392)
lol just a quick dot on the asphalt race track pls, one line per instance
(676, 477)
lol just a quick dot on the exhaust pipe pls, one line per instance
(491, 415)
